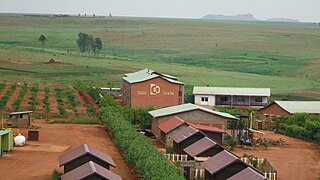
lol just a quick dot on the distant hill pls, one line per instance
(239, 17)
(282, 20)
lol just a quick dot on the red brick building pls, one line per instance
(148, 88)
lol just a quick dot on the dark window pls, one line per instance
(204, 99)
(21, 115)
(241, 99)
(225, 98)
(258, 99)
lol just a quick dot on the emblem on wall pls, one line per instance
(154, 89)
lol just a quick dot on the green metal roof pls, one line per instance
(147, 74)
(4, 132)
(187, 107)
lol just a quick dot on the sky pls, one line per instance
(303, 10)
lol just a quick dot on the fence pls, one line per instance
(269, 172)
(176, 157)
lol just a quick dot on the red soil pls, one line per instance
(13, 97)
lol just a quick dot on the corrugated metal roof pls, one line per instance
(207, 128)
(312, 107)
(184, 134)
(23, 112)
(232, 91)
(200, 146)
(247, 174)
(171, 124)
(83, 150)
(3, 132)
(146, 74)
(187, 107)
(88, 169)
(219, 161)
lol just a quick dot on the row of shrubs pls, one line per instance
(6, 97)
(59, 96)
(46, 101)
(303, 126)
(138, 150)
(73, 100)
(33, 97)
(17, 102)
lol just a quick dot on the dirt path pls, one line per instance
(40, 97)
(13, 97)
(26, 99)
(82, 105)
(88, 99)
(297, 160)
(38, 159)
(53, 102)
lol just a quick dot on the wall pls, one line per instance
(156, 92)
(216, 137)
(195, 116)
(23, 122)
(126, 93)
(272, 110)
(211, 100)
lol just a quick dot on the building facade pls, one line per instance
(211, 96)
(148, 88)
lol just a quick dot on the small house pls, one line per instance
(21, 119)
(211, 132)
(83, 154)
(6, 140)
(223, 166)
(190, 113)
(53, 61)
(185, 138)
(231, 96)
(170, 128)
(203, 148)
(248, 174)
(90, 170)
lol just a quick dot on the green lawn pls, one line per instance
(282, 56)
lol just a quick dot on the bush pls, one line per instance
(33, 98)
(232, 142)
(17, 102)
(90, 109)
(55, 175)
(6, 97)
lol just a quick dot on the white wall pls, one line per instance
(211, 100)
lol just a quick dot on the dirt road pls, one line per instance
(37, 160)
(297, 160)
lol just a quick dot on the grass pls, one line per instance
(82, 120)
(282, 56)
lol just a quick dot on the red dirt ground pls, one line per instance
(81, 106)
(13, 97)
(38, 159)
(297, 160)
(53, 102)
(26, 99)
(88, 100)
(40, 97)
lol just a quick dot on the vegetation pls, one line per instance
(138, 150)
(232, 142)
(46, 101)
(42, 39)
(72, 98)
(87, 43)
(17, 102)
(303, 126)
(2, 86)
(77, 121)
(60, 96)
(90, 109)
(6, 97)
(33, 98)
(55, 175)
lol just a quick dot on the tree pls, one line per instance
(87, 43)
(42, 39)
(97, 45)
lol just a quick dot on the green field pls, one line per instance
(282, 56)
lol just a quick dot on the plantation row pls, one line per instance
(66, 99)
(138, 150)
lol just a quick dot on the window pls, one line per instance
(258, 99)
(224, 98)
(204, 99)
(241, 99)
(21, 116)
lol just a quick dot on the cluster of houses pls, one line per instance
(85, 162)
(195, 129)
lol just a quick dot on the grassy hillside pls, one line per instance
(282, 56)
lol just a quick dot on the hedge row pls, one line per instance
(303, 126)
(46, 101)
(33, 98)
(72, 98)
(5, 98)
(138, 150)
(60, 96)
(17, 102)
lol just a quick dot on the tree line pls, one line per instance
(88, 43)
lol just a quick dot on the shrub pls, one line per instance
(55, 175)
(46, 101)
(17, 102)
(90, 109)
(33, 98)
(6, 97)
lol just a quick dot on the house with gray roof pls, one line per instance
(231, 96)
(149, 88)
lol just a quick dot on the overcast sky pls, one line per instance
(303, 10)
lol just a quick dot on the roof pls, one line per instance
(4, 132)
(312, 107)
(147, 74)
(187, 107)
(219, 161)
(200, 146)
(171, 124)
(207, 128)
(89, 169)
(23, 112)
(232, 91)
(184, 134)
(247, 174)
(81, 151)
